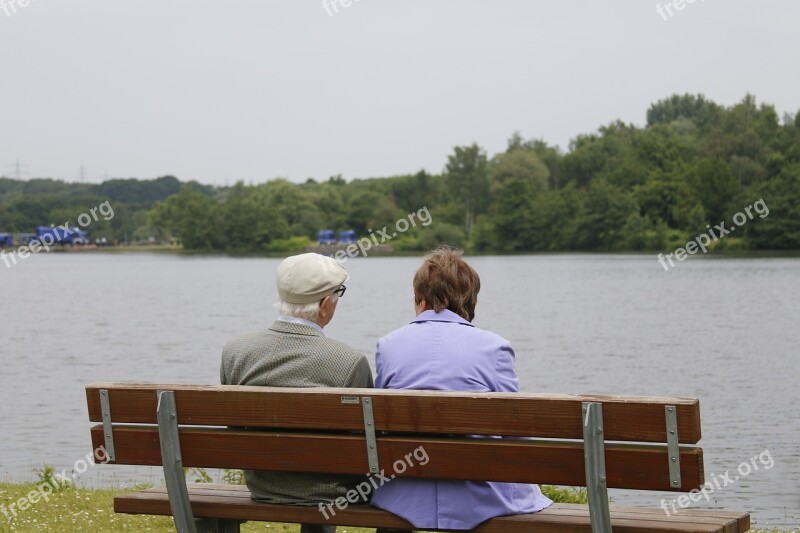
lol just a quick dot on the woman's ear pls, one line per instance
(420, 307)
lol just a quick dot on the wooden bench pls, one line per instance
(593, 441)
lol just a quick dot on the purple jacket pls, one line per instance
(442, 351)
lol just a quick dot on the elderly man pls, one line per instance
(294, 352)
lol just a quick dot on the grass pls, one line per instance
(92, 511)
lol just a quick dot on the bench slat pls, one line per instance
(628, 466)
(625, 418)
(233, 502)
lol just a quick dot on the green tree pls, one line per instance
(598, 155)
(512, 215)
(192, 217)
(549, 155)
(606, 218)
(468, 182)
(292, 211)
(555, 215)
(777, 226)
(687, 106)
(411, 193)
(520, 165)
(668, 199)
(246, 219)
(715, 186)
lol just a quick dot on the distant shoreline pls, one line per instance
(391, 252)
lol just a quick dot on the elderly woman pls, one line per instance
(442, 350)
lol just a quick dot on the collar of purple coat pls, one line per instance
(445, 315)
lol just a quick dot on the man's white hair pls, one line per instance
(305, 311)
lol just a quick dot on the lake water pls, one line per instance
(723, 330)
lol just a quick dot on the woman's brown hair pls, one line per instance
(446, 281)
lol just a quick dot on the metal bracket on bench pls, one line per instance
(369, 432)
(173, 463)
(108, 433)
(595, 464)
(673, 450)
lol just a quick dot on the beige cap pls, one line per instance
(308, 278)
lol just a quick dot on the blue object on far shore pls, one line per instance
(347, 237)
(6, 239)
(61, 235)
(326, 236)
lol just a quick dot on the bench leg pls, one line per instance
(216, 525)
(172, 461)
(595, 463)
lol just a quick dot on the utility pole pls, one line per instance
(19, 170)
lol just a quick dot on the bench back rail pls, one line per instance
(557, 416)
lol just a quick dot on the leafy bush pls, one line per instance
(47, 475)
(292, 244)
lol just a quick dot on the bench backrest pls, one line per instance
(646, 442)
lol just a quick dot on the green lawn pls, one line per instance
(92, 511)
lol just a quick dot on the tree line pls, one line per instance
(695, 163)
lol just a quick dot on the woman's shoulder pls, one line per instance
(403, 332)
(491, 335)
(487, 339)
(421, 330)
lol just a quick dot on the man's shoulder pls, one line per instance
(299, 334)
(339, 348)
(247, 341)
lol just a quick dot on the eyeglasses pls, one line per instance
(339, 291)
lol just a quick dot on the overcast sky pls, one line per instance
(256, 89)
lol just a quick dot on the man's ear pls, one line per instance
(326, 306)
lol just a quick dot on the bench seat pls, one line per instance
(234, 502)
